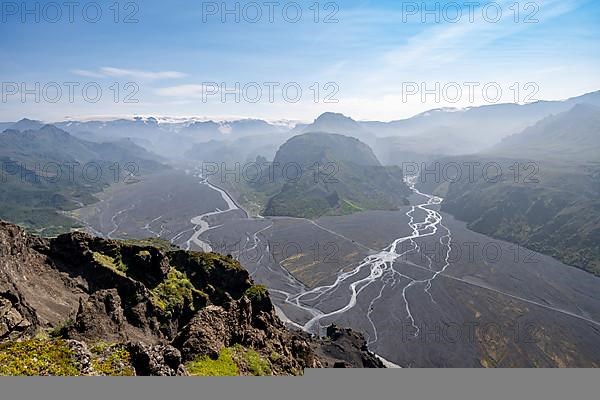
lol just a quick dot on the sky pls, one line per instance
(371, 60)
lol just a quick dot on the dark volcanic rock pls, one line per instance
(165, 307)
(157, 360)
(345, 348)
(216, 327)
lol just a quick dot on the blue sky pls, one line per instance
(374, 61)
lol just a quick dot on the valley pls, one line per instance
(425, 290)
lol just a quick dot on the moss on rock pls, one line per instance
(177, 292)
(235, 360)
(224, 365)
(110, 262)
(111, 360)
(37, 358)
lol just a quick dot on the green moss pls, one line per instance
(110, 262)
(99, 347)
(232, 361)
(274, 356)
(61, 331)
(251, 361)
(37, 358)
(257, 292)
(176, 292)
(211, 261)
(111, 360)
(222, 366)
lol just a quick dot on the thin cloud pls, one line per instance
(105, 72)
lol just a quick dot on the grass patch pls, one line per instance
(232, 361)
(222, 366)
(37, 358)
(176, 292)
(111, 360)
(115, 264)
(251, 361)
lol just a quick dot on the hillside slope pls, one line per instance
(572, 135)
(317, 174)
(79, 305)
(552, 208)
(46, 171)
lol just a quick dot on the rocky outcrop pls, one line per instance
(157, 360)
(236, 323)
(155, 306)
(345, 348)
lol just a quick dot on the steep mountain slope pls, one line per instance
(238, 150)
(552, 208)
(319, 147)
(46, 171)
(547, 198)
(339, 175)
(338, 123)
(78, 305)
(573, 135)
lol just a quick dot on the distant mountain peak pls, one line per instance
(27, 120)
(333, 116)
(27, 124)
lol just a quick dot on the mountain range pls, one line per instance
(47, 171)
(438, 132)
(547, 195)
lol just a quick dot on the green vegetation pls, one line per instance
(37, 189)
(158, 243)
(111, 360)
(232, 361)
(210, 262)
(331, 175)
(177, 292)
(222, 366)
(110, 262)
(60, 331)
(257, 292)
(42, 357)
(554, 210)
(37, 358)
(250, 360)
(38, 207)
